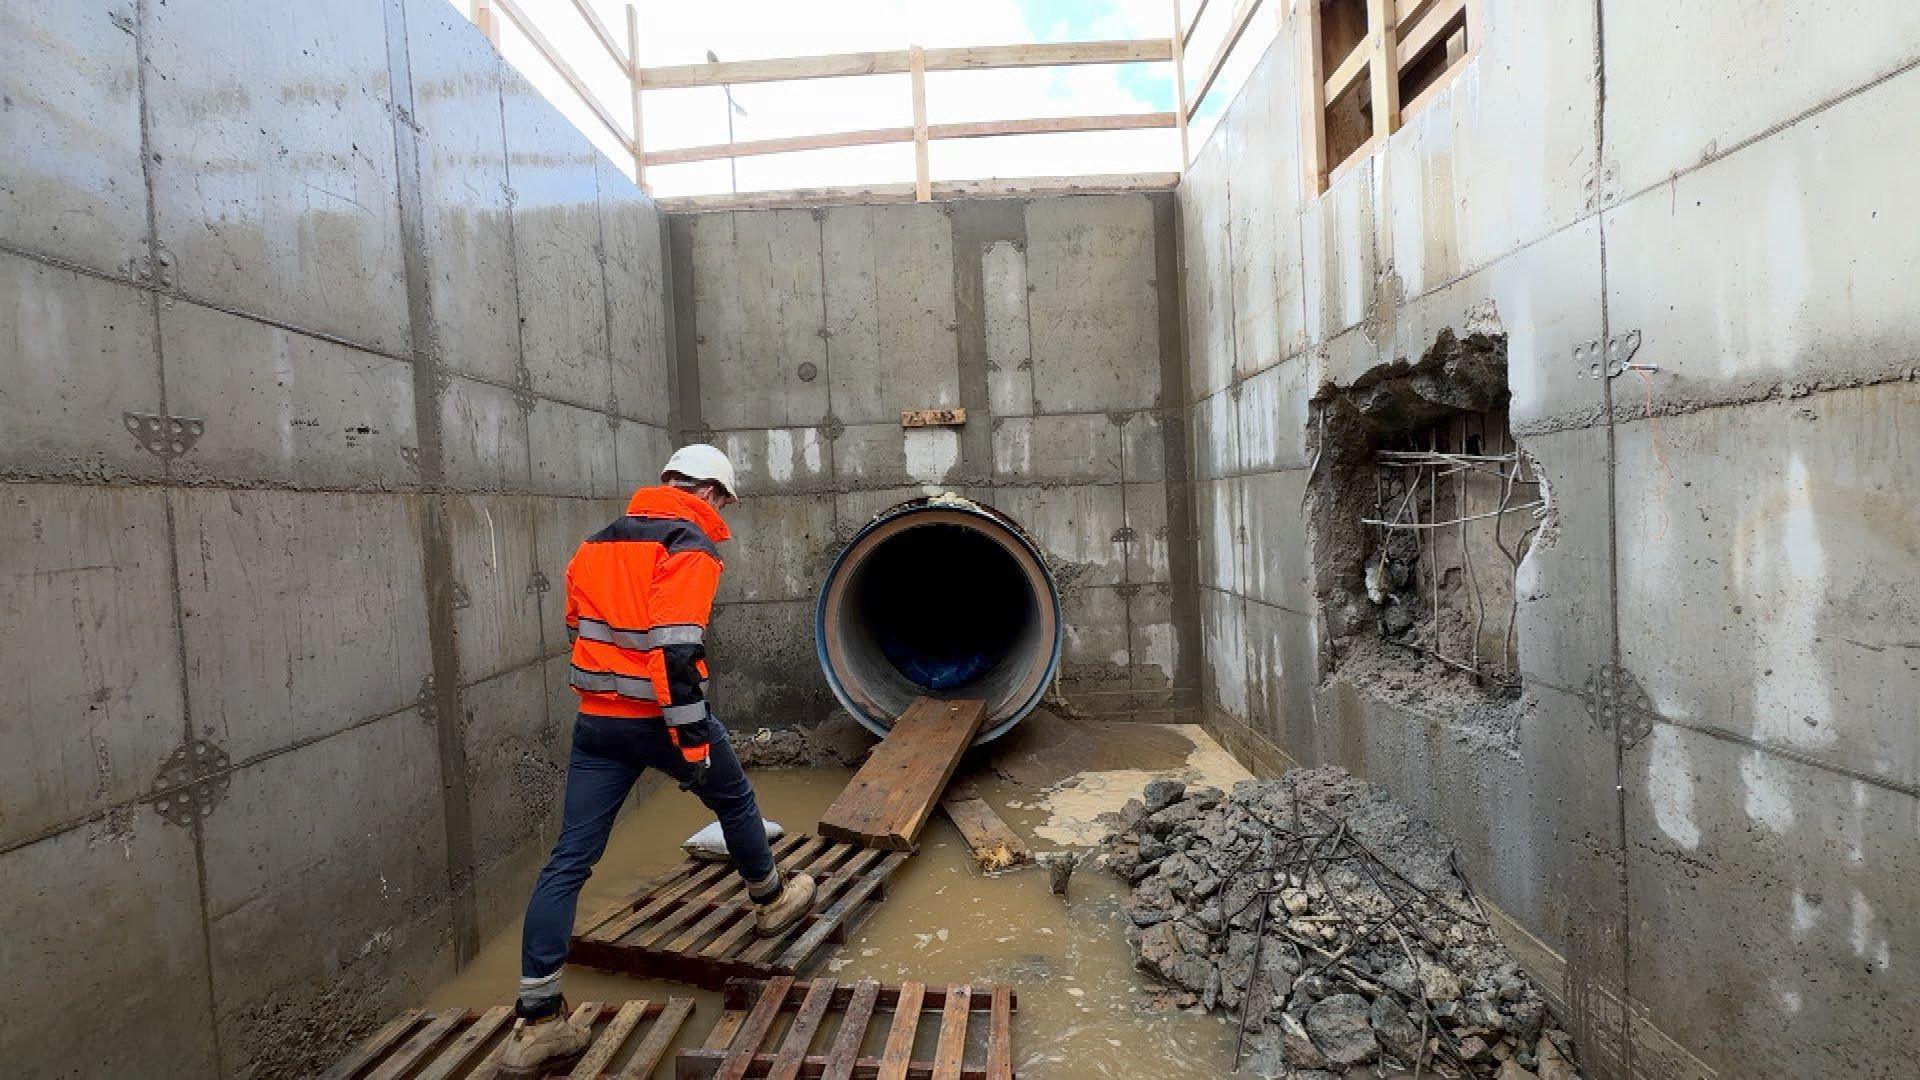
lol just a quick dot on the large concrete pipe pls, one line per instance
(939, 597)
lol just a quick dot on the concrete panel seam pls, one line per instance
(436, 537)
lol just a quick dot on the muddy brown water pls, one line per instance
(1083, 1010)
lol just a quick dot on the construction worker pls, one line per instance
(638, 596)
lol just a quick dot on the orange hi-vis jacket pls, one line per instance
(639, 593)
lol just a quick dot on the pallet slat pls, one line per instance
(953, 1034)
(898, 1053)
(460, 1044)
(846, 1047)
(893, 795)
(799, 1039)
(700, 928)
(753, 1007)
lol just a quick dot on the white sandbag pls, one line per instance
(711, 844)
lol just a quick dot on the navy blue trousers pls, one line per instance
(609, 754)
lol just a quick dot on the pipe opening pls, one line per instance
(940, 598)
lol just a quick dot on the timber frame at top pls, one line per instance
(1409, 48)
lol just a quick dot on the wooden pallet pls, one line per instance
(893, 795)
(738, 1046)
(694, 923)
(425, 1045)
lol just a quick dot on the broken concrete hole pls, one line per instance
(1421, 509)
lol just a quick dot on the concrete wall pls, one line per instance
(802, 336)
(1739, 532)
(286, 712)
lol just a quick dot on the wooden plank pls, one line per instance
(953, 417)
(647, 1055)
(890, 799)
(603, 1049)
(790, 144)
(886, 194)
(906, 1020)
(375, 1046)
(1313, 101)
(853, 1029)
(793, 1051)
(1350, 69)
(633, 90)
(725, 1029)
(416, 1049)
(462, 1050)
(1417, 38)
(899, 61)
(660, 901)
(994, 844)
(856, 881)
(917, 73)
(605, 36)
(1182, 33)
(1242, 16)
(952, 1045)
(1383, 38)
(1000, 1034)
(754, 1031)
(559, 64)
(483, 18)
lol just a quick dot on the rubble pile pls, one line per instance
(1336, 926)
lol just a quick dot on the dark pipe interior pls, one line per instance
(945, 605)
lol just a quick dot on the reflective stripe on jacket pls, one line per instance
(639, 593)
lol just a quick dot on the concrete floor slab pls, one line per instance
(1788, 265)
(464, 193)
(483, 437)
(1685, 85)
(551, 167)
(79, 353)
(892, 335)
(1778, 601)
(107, 927)
(88, 650)
(285, 408)
(1093, 303)
(71, 184)
(315, 241)
(347, 636)
(496, 611)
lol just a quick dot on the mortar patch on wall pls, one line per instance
(192, 781)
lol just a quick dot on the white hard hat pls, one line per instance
(699, 461)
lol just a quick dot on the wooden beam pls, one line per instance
(1386, 71)
(922, 174)
(973, 129)
(546, 49)
(1183, 32)
(483, 18)
(1350, 69)
(585, 7)
(1242, 15)
(1416, 40)
(900, 61)
(882, 194)
(1313, 101)
(1180, 37)
(633, 89)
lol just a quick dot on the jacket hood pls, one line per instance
(661, 501)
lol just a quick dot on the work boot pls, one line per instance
(792, 903)
(538, 1043)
